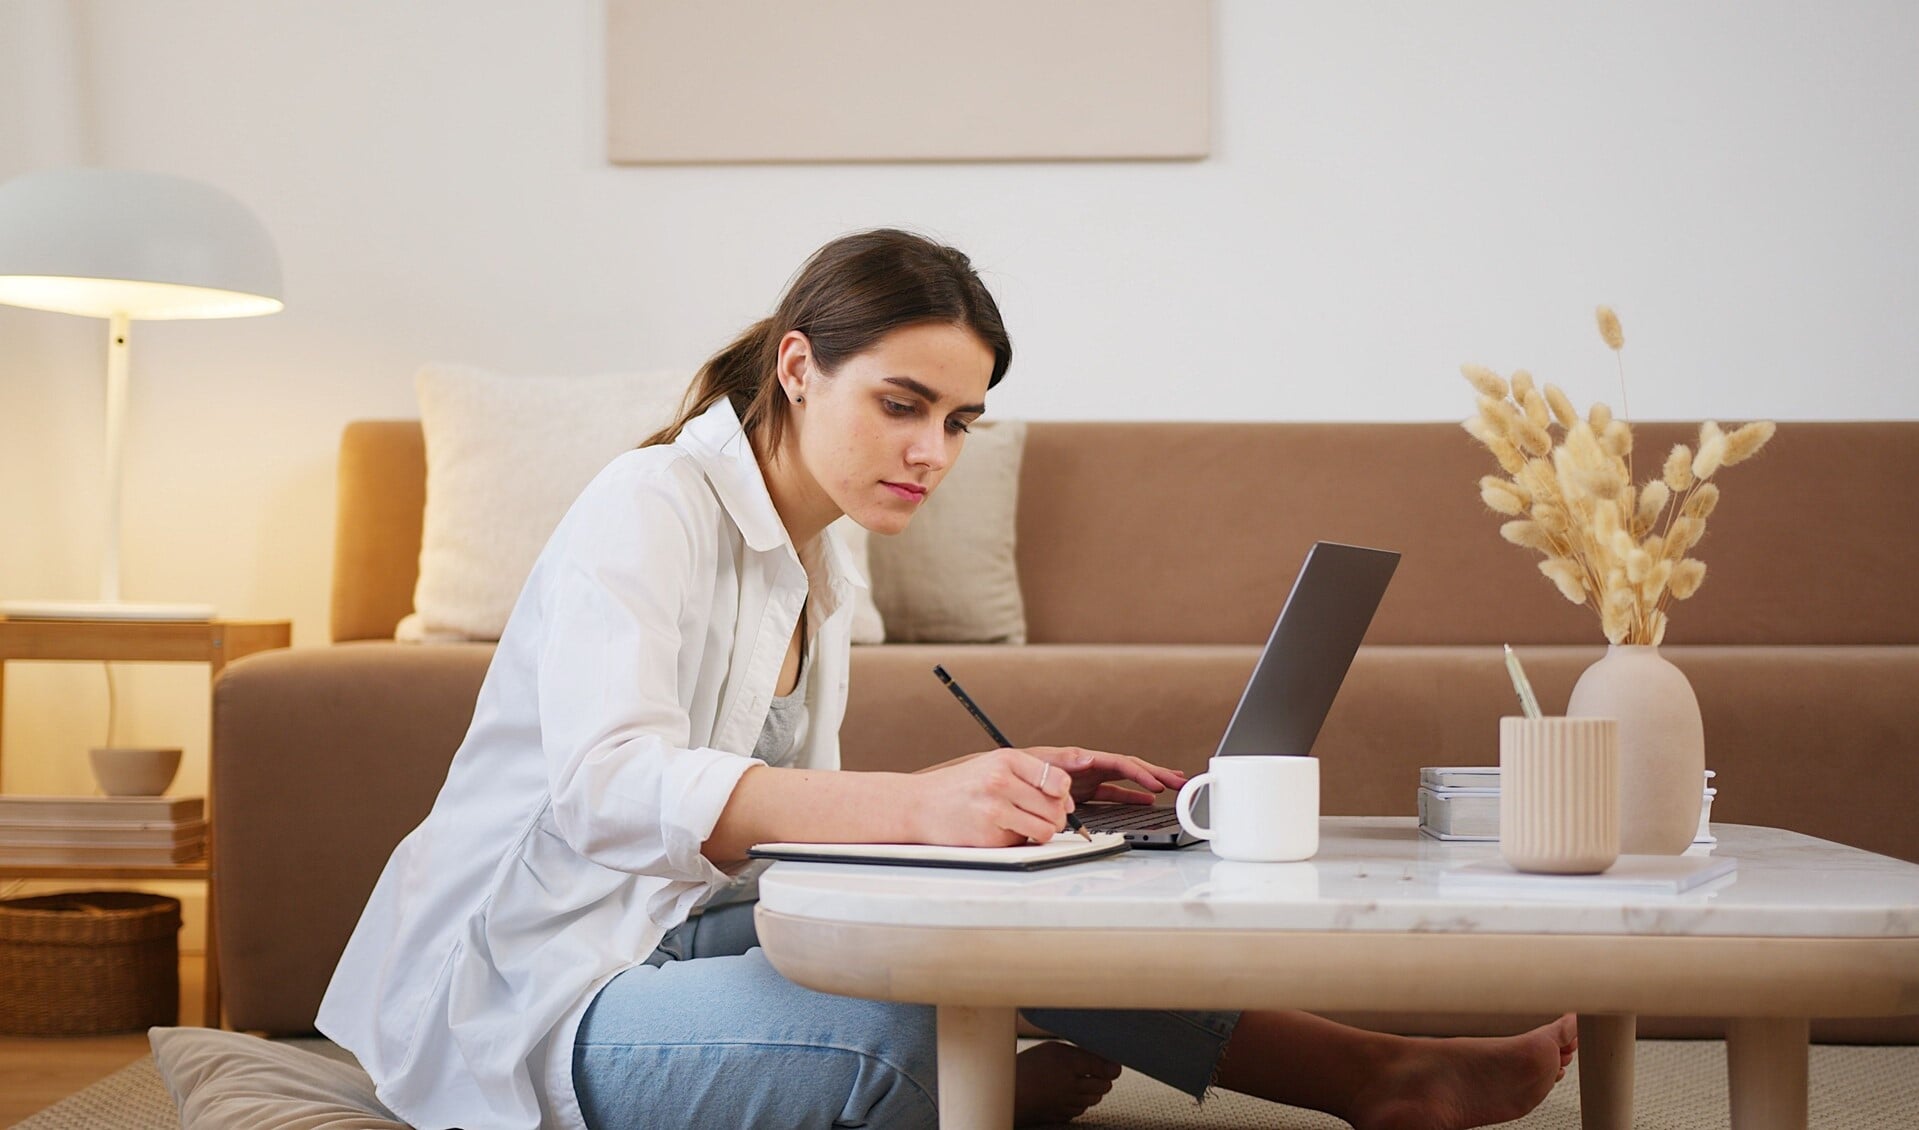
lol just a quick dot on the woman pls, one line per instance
(567, 938)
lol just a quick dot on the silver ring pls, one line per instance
(1041, 786)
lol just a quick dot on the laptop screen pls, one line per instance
(1313, 643)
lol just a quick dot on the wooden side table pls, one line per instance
(213, 642)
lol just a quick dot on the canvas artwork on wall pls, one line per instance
(692, 82)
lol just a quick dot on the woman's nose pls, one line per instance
(928, 449)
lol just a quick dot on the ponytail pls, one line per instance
(739, 373)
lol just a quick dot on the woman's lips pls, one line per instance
(911, 494)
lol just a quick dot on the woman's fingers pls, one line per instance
(1039, 793)
(1120, 794)
(1100, 764)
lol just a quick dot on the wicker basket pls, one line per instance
(86, 962)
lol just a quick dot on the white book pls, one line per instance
(101, 809)
(1066, 847)
(76, 834)
(1631, 876)
(1460, 776)
(93, 855)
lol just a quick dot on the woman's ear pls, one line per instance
(791, 370)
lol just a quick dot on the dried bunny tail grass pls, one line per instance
(1687, 576)
(1678, 472)
(1599, 415)
(1502, 496)
(1617, 438)
(1701, 502)
(1539, 478)
(1510, 460)
(1532, 437)
(1534, 405)
(1528, 436)
(1522, 532)
(1588, 465)
(1616, 625)
(1522, 383)
(1485, 380)
(1610, 330)
(1552, 518)
(1657, 578)
(1615, 615)
(1652, 503)
(1562, 407)
(1605, 524)
(1712, 453)
(1623, 547)
(1685, 534)
(1566, 575)
(1638, 564)
(1658, 628)
(1745, 443)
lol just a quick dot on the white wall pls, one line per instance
(1395, 188)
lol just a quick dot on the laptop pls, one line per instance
(1293, 685)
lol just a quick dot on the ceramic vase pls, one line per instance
(1662, 745)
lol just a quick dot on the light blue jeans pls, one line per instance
(708, 1034)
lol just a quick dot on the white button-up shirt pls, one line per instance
(630, 685)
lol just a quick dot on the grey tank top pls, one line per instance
(778, 744)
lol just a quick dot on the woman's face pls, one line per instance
(878, 435)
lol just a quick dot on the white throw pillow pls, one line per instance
(232, 1081)
(506, 455)
(951, 577)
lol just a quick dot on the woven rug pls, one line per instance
(1679, 1085)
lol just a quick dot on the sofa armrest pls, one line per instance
(325, 758)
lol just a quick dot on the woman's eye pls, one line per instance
(897, 408)
(957, 426)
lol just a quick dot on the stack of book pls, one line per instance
(60, 831)
(1461, 802)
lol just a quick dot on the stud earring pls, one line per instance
(799, 400)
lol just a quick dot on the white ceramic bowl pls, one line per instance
(134, 771)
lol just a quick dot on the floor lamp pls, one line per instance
(120, 245)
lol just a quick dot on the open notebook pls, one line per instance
(1066, 847)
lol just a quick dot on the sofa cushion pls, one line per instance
(952, 575)
(230, 1081)
(506, 455)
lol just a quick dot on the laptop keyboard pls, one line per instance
(1126, 817)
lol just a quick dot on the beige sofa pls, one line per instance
(1153, 558)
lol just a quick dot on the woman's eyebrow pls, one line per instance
(930, 396)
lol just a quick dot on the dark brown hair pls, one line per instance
(849, 295)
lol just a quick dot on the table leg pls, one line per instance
(1605, 1071)
(1766, 1072)
(976, 1053)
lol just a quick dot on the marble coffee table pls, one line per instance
(1803, 928)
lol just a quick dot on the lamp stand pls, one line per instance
(109, 606)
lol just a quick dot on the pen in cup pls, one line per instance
(1523, 686)
(992, 731)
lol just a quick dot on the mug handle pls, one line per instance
(1183, 806)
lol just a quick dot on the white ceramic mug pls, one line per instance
(1264, 809)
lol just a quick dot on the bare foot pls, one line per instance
(1458, 1083)
(1057, 1082)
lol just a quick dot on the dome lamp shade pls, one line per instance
(148, 246)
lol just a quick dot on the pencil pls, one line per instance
(992, 731)
(1521, 685)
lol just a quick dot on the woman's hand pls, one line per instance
(1096, 775)
(1007, 797)
(1002, 798)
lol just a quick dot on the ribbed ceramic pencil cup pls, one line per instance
(1559, 794)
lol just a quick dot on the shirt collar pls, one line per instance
(718, 442)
